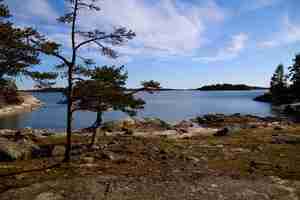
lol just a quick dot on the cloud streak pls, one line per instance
(233, 50)
(289, 33)
(247, 5)
(33, 10)
(164, 28)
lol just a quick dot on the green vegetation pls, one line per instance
(279, 87)
(295, 77)
(284, 87)
(17, 57)
(228, 87)
(105, 90)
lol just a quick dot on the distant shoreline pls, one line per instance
(30, 103)
(163, 89)
(230, 87)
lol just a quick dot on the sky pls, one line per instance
(180, 43)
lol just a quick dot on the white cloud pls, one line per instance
(162, 28)
(236, 46)
(289, 33)
(32, 10)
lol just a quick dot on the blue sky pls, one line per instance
(182, 43)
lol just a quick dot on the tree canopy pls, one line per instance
(295, 77)
(18, 53)
(279, 86)
(105, 90)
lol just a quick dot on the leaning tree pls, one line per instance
(80, 38)
(105, 91)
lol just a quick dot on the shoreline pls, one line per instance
(30, 104)
(248, 154)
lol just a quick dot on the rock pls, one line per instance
(193, 159)
(98, 135)
(214, 117)
(19, 177)
(106, 156)
(278, 128)
(222, 132)
(58, 150)
(43, 151)
(286, 139)
(129, 122)
(88, 159)
(236, 115)
(49, 196)
(127, 131)
(184, 124)
(157, 123)
(198, 131)
(20, 150)
(166, 133)
(112, 126)
(267, 97)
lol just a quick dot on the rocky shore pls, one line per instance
(210, 157)
(29, 104)
(32, 143)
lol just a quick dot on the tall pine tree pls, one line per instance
(295, 77)
(279, 86)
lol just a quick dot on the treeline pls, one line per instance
(228, 87)
(285, 87)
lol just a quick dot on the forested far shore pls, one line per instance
(227, 86)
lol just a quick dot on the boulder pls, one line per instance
(286, 139)
(58, 150)
(20, 150)
(222, 132)
(49, 196)
(210, 118)
(128, 122)
(183, 126)
(157, 123)
(112, 126)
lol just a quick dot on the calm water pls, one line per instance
(168, 105)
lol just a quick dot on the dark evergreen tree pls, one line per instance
(17, 52)
(295, 77)
(106, 91)
(279, 86)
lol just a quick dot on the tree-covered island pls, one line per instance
(228, 87)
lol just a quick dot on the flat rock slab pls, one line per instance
(110, 187)
(190, 132)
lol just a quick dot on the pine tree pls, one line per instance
(17, 53)
(295, 77)
(75, 63)
(279, 87)
(106, 91)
